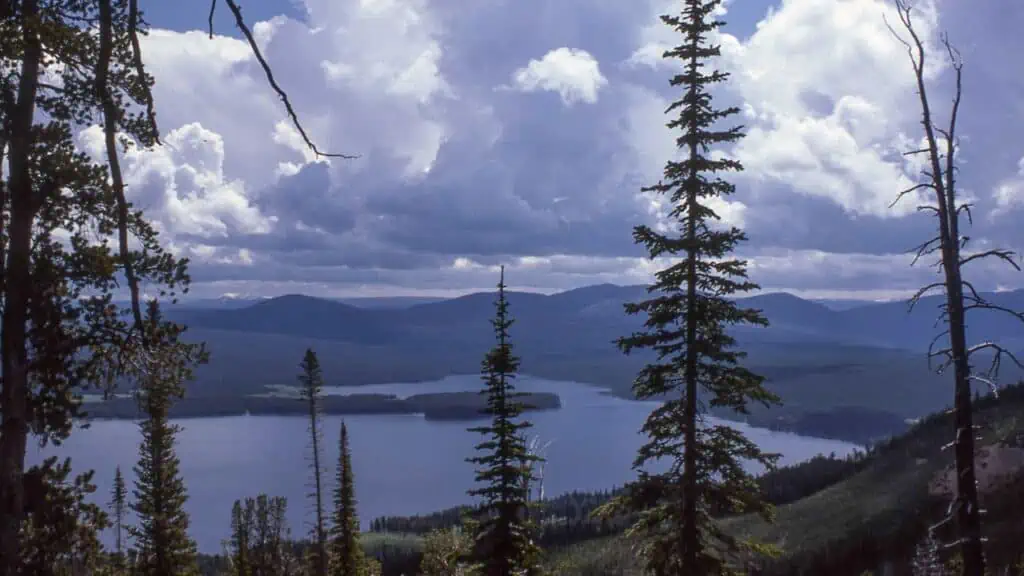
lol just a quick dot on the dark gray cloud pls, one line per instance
(509, 174)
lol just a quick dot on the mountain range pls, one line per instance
(815, 356)
(597, 309)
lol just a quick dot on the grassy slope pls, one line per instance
(878, 513)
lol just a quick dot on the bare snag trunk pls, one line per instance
(960, 295)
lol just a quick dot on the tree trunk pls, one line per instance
(18, 284)
(690, 534)
(321, 537)
(967, 513)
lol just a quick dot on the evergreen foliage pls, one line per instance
(259, 543)
(311, 382)
(347, 555)
(238, 549)
(503, 540)
(61, 528)
(61, 330)
(118, 506)
(162, 544)
(688, 316)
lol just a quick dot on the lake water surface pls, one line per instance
(403, 464)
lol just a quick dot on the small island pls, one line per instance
(434, 406)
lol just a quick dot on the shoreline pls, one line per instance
(433, 406)
(860, 426)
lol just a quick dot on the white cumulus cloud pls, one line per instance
(571, 73)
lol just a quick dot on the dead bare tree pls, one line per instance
(536, 467)
(949, 244)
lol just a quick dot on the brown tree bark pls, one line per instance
(17, 292)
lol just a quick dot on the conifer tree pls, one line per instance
(60, 534)
(118, 504)
(347, 557)
(311, 383)
(503, 537)
(163, 546)
(688, 316)
(240, 546)
(259, 537)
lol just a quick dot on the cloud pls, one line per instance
(464, 165)
(573, 74)
(181, 185)
(1009, 194)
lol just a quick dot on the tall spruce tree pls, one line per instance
(162, 543)
(118, 506)
(311, 382)
(503, 540)
(347, 554)
(688, 315)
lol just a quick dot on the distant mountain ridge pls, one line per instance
(816, 358)
(597, 310)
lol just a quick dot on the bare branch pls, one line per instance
(1004, 255)
(924, 249)
(213, 9)
(992, 386)
(133, 35)
(240, 22)
(982, 304)
(910, 190)
(966, 208)
(999, 352)
(920, 293)
(110, 136)
(973, 292)
(950, 136)
(915, 152)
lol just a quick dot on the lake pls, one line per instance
(403, 464)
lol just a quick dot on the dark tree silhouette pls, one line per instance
(162, 543)
(347, 557)
(686, 326)
(311, 382)
(503, 536)
(950, 346)
(118, 507)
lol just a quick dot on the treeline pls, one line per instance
(570, 517)
(438, 406)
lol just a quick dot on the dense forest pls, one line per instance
(942, 497)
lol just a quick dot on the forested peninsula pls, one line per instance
(434, 406)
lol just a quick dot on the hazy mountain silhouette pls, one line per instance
(591, 317)
(814, 356)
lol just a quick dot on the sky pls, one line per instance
(520, 132)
